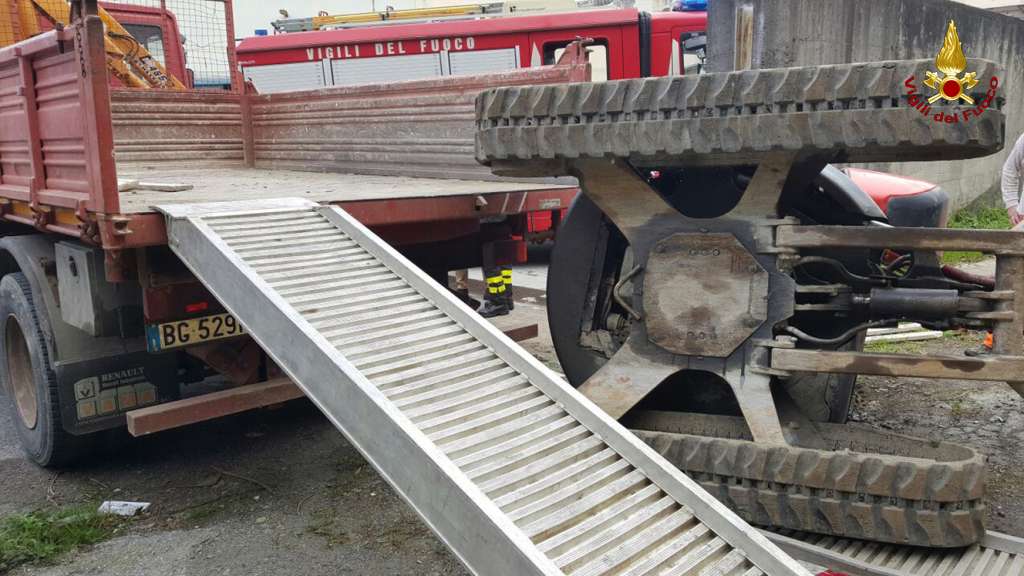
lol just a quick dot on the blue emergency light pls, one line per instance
(695, 5)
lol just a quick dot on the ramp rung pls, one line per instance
(608, 527)
(633, 508)
(636, 545)
(415, 304)
(513, 454)
(308, 261)
(551, 497)
(317, 235)
(511, 449)
(278, 269)
(423, 363)
(511, 467)
(580, 468)
(324, 274)
(377, 301)
(675, 548)
(251, 233)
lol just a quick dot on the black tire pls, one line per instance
(578, 245)
(569, 275)
(825, 397)
(25, 367)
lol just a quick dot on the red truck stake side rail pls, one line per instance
(56, 138)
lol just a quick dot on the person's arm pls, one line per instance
(1011, 181)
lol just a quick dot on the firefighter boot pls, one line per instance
(463, 294)
(494, 300)
(461, 289)
(506, 278)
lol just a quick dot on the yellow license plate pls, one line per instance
(192, 331)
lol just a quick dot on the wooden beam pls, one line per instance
(988, 241)
(743, 54)
(520, 333)
(209, 406)
(995, 367)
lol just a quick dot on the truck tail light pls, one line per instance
(196, 307)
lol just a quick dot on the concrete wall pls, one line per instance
(814, 32)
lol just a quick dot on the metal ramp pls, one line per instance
(995, 555)
(516, 471)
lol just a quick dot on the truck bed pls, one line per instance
(218, 184)
(392, 153)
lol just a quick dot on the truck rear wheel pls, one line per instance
(28, 379)
(575, 276)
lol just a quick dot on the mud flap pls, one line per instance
(96, 392)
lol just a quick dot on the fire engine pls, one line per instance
(627, 43)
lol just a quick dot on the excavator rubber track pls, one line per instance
(509, 465)
(853, 112)
(867, 484)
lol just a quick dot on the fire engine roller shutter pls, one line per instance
(482, 61)
(348, 72)
(286, 77)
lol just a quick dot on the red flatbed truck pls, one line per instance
(101, 320)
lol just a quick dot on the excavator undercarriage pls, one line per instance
(706, 255)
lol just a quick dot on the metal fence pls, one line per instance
(12, 29)
(204, 28)
(206, 31)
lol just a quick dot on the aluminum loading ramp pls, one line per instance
(516, 471)
(995, 555)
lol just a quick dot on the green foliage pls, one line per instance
(992, 218)
(961, 338)
(902, 347)
(988, 218)
(44, 535)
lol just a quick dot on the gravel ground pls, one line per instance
(270, 492)
(988, 416)
(279, 491)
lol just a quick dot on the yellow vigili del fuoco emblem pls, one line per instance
(951, 62)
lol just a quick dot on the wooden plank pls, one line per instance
(1008, 336)
(209, 406)
(520, 333)
(744, 34)
(989, 241)
(164, 186)
(915, 336)
(900, 329)
(999, 368)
